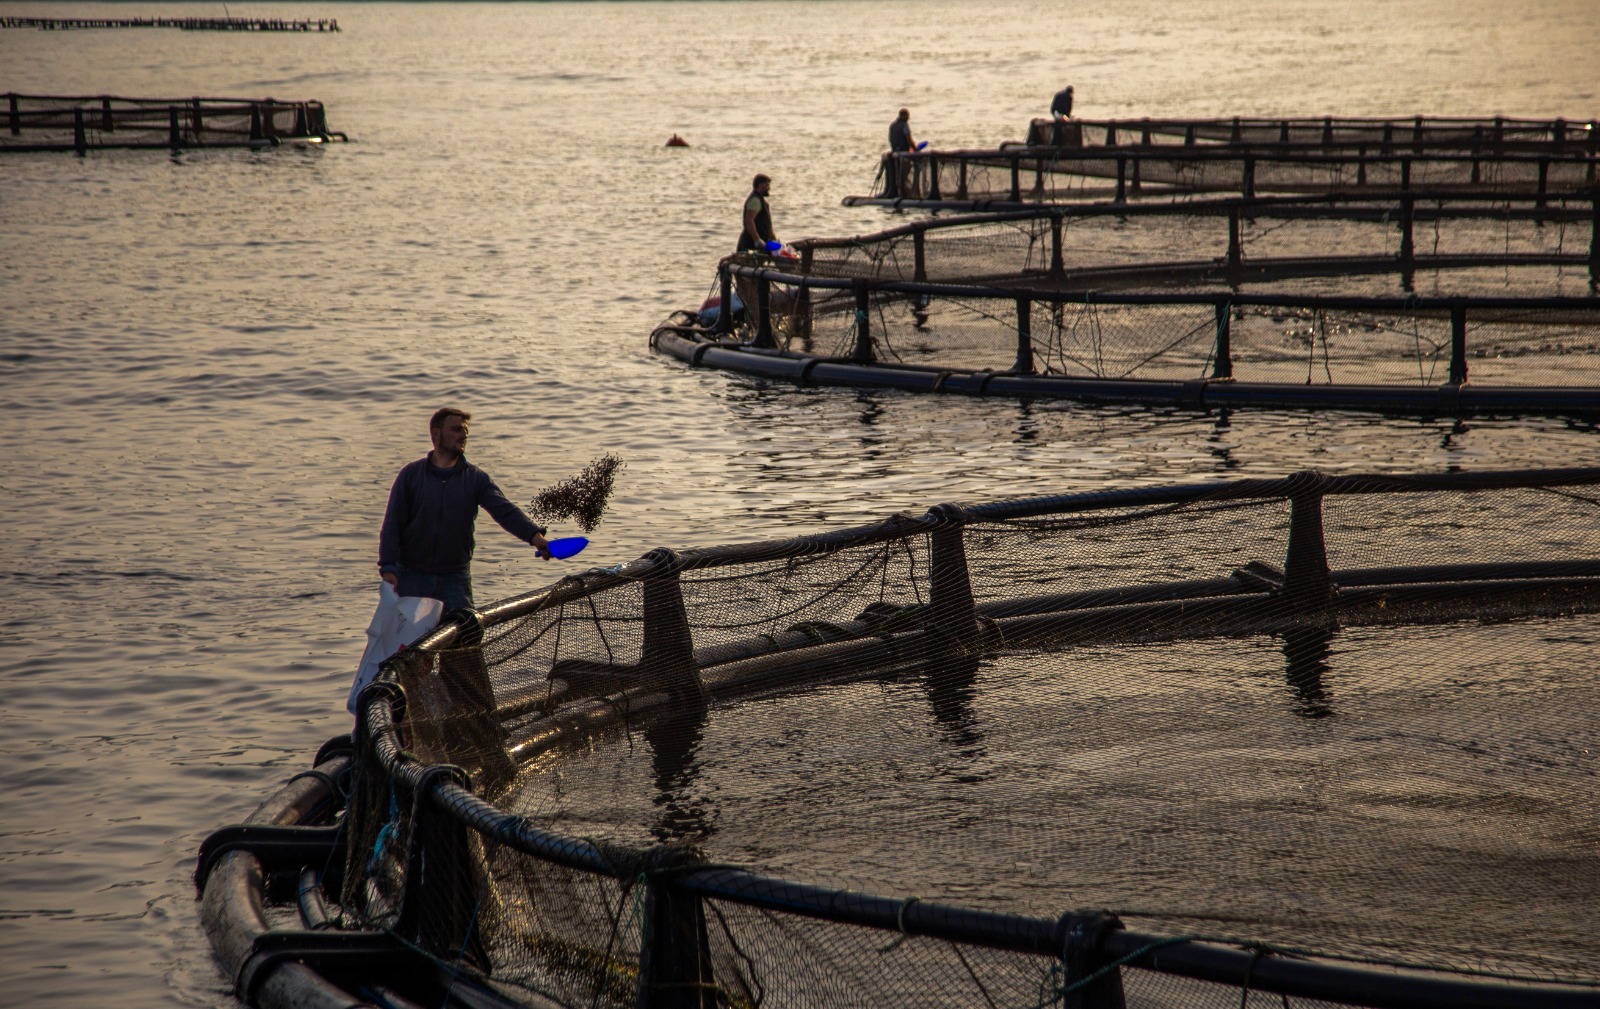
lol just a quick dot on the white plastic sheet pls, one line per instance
(398, 620)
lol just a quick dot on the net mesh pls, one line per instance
(1346, 719)
(53, 122)
(1307, 300)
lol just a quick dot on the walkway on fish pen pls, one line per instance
(1178, 159)
(226, 24)
(99, 122)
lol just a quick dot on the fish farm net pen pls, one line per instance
(1299, 741)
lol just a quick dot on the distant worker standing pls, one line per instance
(425, 546)
(903, 176)
(755, 235)
(1061, 104)
(900, 133)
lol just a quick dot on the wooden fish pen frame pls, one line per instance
(1384, 135)
(81, 123)
(225, 24)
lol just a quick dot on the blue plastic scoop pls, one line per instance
(774, 246)
(563, 548)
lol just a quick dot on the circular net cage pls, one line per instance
(1304, 742)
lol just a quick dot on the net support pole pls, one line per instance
(724, 324)
(174, 128)
(1594, 236)
(1082, 958)
(1016, 179)
(764, 339)
(1122, 181)
(954, 620)
(1023, 365)
(445, 881)
(933, 179)
(675, 956)
(107, 123)
(1408, 227)
(255, 122)
(800, 321)
(1458, 344)
(667, 654)
(197, 121)
(1247, 186)
(919, 257)
(862, 354)
(80, 141)
(1223, 368)
(1307, 583)
(1235, 253)
(1058, 264)
(14, 117)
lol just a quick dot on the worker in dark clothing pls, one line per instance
(900, 133)
(902, 172)
(755, 234)
(1061, 104)
(425, 546)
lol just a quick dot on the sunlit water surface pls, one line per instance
(213, 363)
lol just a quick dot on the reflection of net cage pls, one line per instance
(67, 123)
(1304, 741)
(1456, 305)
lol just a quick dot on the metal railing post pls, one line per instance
(675, 969)
(1307, 583)
(862, 353)
(1024, 362)
(667, 653)
(725, 312)
(764, 338)
(954, 620)
(1458, 344)
(1223, 366)
(1058, 266)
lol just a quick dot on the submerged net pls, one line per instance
(1343, 719)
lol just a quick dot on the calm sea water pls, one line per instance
(212, 364)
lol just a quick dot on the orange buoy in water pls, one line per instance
(677, 141)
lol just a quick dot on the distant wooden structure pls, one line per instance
(97, 122)
(186, 24)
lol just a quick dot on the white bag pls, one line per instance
(398, 620)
